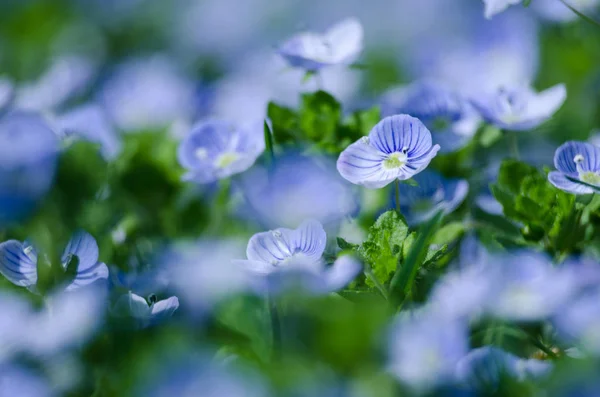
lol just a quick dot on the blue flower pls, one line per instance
(579, 322)
(424, 349)
(146, 311)
(217, 149)
(397, 148)
(578, 165)
(340, 44)
(292, 191)
(90, 123)
(493, 7)
(432, 194)
(449, 116)
(18, 262)
(22, 382)
(520, 108)
(28, 155)
(287, 256)
(484, 367)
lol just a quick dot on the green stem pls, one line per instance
(514, 144)
(580, 14)
(269, 143)
(397, 189)
(542, 347)
(275, 327)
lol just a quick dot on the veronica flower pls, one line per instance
(397, 148)
(217, 149)
(433, 193)
(18, 262)
(493, 7)
(579, 322)
(424, 349)
(519, 109)
(448, 115)
(146, 311)
(484, 367)
(282, 255)
(528, 287)
(578, 165)
(340, 44)
(28, 155)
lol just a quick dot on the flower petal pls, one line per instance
(212, 137)
(547, 102)
(342, 272)
(85, 247)
(561, 181)
(346, 40)
(310, 239)
(272, 246)
(16, 265)
(362, 164)
(164, 308)
(564, 158)
(133, 305)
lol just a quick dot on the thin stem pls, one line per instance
(542, 347)
(369, 273)
(514, 144)
(397, 189)
(581, 14)
(275, 327)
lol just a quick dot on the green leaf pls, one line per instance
(344, 245)
(320, 115)
(489, 136)
(434, 254)
(361, 122)
(512, 173)
(269, 143)
(450, 232)
(285, 123)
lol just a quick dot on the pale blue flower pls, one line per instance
(217, 149)
(397, 148)
(28, 155)
(579, 322)
(90, 123)
(578, 165)
(340, 44)
(18, 262)
(449, 116)
(483, 368)
(424, 349)
(14, 323)
(295, 256)
(292, 191)
(432, 194)
(22, 382)
(146, 311)
(493, 7)
(520, 108)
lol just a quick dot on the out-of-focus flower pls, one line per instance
(90, 123)
(493, 7)
(519, 109)
(28, 155)
(18, 381)
(433, 193)
(285, 256)
(448, 115)
(397, 148)
(217, 149)
(67, 77)
(556, 11)
(148, 94)
(202, 273)
(293, 191)
(340, 44)
(14, 322)
(483, 368)
(578, 165)
(528, 287)
(424, 349)
(18, 262)
(7, 90)
(579, 322)
(146, 311)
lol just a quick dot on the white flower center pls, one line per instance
(201, 153)
(396, 159)
(589, 177)
(227, 159)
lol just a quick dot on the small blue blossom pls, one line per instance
(483, 368)
(146, 311)
(18, 262)
(520, 108)
(578, 165)
(433, 193)
(449, 116)
(287, 256)
(217, 149)
(28, 154)
(397, 148)
(340, 44)
(424, 349)
(493, 7)
(579, 322)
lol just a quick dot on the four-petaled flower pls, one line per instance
(397, 148)
(340, 44)
(520, 109)
(217, 149)
(578, 165)
(18, 262)
(287, 256)
(146, 311)
(449, 116)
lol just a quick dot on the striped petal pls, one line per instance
(18, 267)
(564, 158)
(272, 247)
(89, 269)
(362, 164)
(309, 239)
(563, 182)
